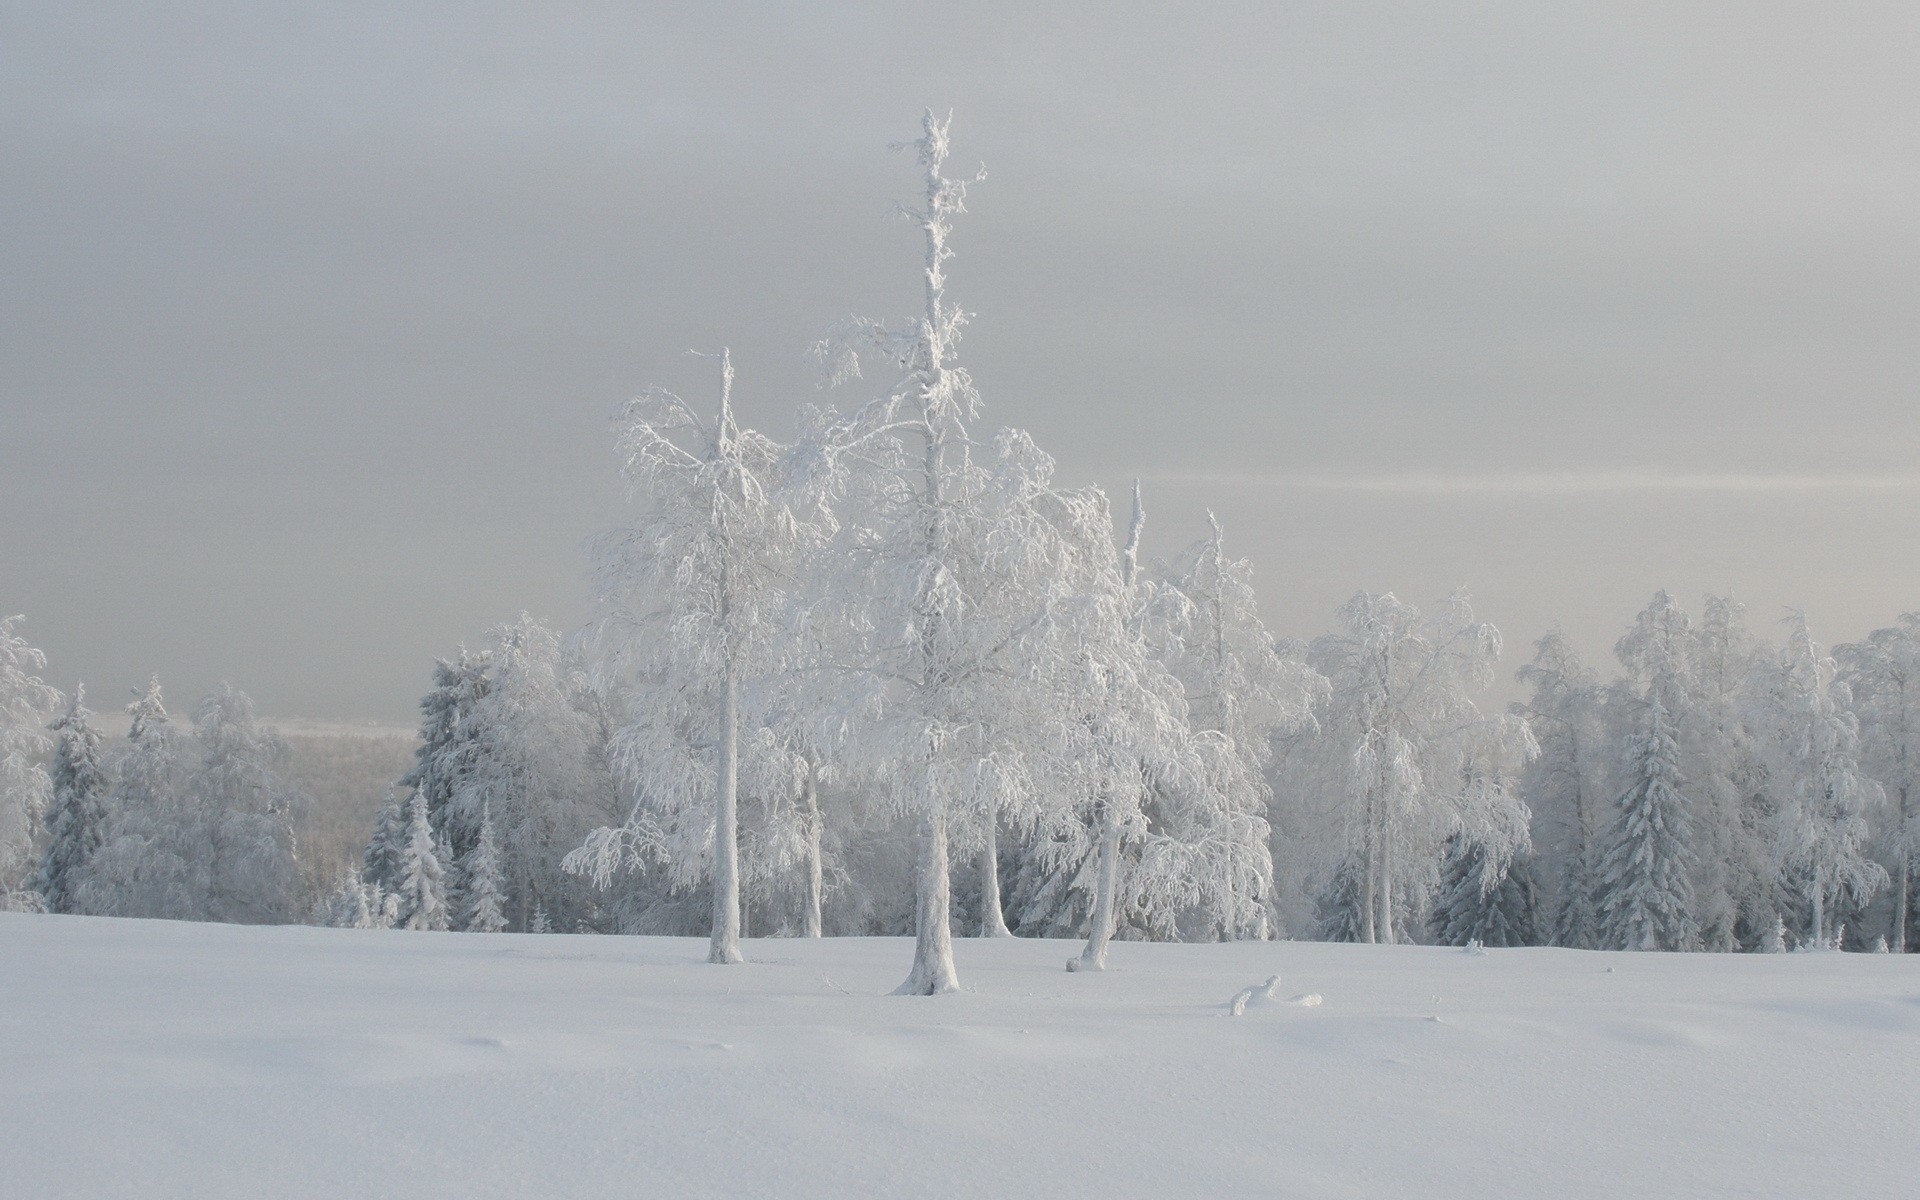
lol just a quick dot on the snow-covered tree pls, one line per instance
(1822, 799)
(382, 864)
(140, 870)
(26, 701)
(1402, 732)
(535, 762)
(1563, 786)
(422, 892)
(1882, 674)
(694, 601)
(484, 901)
(1646, 876)
(240, 817)
(77, 818)
(950, 578)
(1735, 888)
(1481, 900)
(1241, 694)
(446, 752)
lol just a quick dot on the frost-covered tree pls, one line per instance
(1822, 799)
(949, 577)
(240, 817)
(77, 817)
(1563, 785)
(1241, 693)
(1734, 889)
(536, 763)
(1882, 674)
(1402, 732)
(26, 701)
(422, 893)
(446, 752)
(484, 902)
(386, 852)
(1646, 877)
(1481, 900)
(141, 869)
(694, 601)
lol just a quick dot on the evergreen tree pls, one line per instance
(25, 703)
(422, 893)
(383, 863)
(1483, 900)
(485, 905)
(1646, 878)
(447, 751)
(77, 819)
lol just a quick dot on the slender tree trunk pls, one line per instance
(1370, 885)
(1384, 923)
(1904, 881)
(933, 973)
(814, 827)
(1819, 913)
(993, 917)
(1900, 903)
(725, 947)
(1094, 957)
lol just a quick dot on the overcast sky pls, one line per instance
(312, 316)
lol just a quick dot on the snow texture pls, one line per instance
(217, 1061)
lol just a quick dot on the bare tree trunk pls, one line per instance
(1900, 902)
(1094, 957)
(1819, 913)
(814, 824)
(993, 918)
(1384, 923)
(725, 947)
(933, 973)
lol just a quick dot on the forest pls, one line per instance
(891, 676)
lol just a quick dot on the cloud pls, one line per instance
(1564, 483)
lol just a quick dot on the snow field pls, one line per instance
(154, 1059)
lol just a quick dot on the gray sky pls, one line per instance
(315, 314)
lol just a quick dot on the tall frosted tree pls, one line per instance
(1646, 877)
(1402, 730)
(1241, 694)
(1563, 785)
(446, 752)
(239, 820)
(1822, 800)
(141, 870)
(948, 572)
(1882, 673)
(484, 902)
(25, 703)
(536, 765)
(77, 816)
(695, 603)
(1735, 888)
(422, 895)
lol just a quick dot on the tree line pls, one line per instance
(890, 676)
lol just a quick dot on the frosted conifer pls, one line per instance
(485, 904)
(77, 818)
(1646, 885)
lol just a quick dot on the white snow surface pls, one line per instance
(150, 1059)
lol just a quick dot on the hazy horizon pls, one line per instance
(318, 313)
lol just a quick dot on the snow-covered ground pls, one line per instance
(147, 1059)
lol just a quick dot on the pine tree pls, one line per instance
(422, 893)
(385, 857)
(25, 703)
(1483, 900)
(1646, 878)
(485, 905)
(77, 818)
